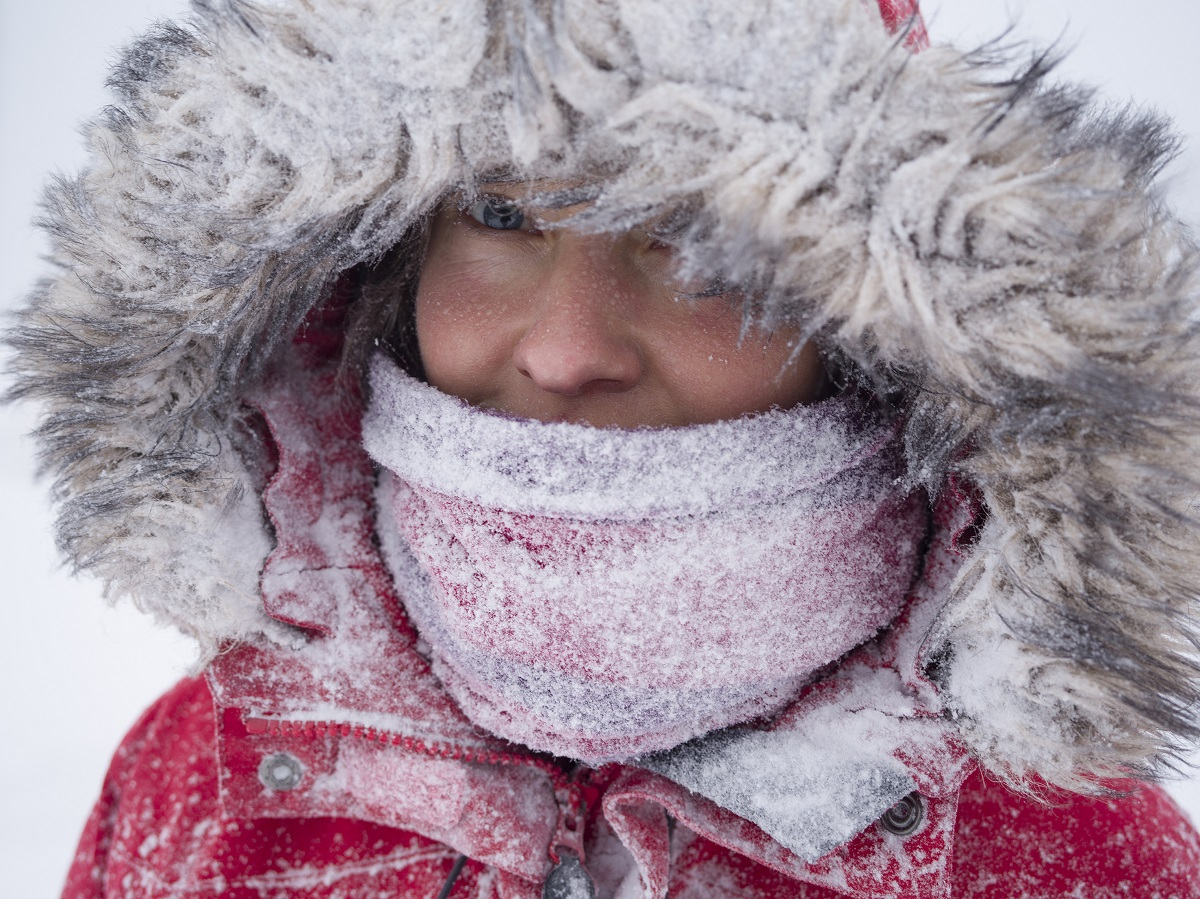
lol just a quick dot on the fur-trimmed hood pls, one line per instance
(959, 229)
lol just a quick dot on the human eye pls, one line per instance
(497, 213)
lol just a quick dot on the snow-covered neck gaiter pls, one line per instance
(603, 593)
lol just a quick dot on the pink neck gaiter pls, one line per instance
(600, 594)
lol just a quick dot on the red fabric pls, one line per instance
(904, 15)
(158, 830)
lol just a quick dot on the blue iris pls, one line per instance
(497, 213)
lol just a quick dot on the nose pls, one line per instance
(579, 338)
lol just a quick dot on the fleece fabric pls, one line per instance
(599, 593)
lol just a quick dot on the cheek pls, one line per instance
(462, 308)
(795, 373)
(777, 370)
(722, 375)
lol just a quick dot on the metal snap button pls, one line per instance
(905, 816)
(569, 879)
(281, 771)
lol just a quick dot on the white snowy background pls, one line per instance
(75, 673)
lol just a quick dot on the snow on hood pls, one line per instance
(961, 229)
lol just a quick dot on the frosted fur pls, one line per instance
(562, 620)
(989, 243)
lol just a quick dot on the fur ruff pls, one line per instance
(963, 230)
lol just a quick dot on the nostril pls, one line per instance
(579, 363)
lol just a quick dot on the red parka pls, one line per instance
(343, 769)
(161, 830)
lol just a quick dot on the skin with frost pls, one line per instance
(558, 325)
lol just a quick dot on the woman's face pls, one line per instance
(559, 325)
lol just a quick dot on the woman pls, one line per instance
(984, 257)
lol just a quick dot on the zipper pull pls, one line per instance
(569, 879)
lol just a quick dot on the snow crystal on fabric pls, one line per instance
(430, 439)
(811, 788)
(599, 634)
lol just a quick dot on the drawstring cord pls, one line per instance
(459, 863)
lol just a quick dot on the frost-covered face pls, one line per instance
(560, 325)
